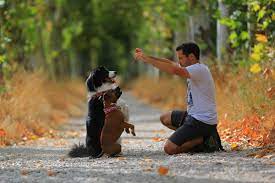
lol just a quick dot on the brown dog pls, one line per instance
(114, 123)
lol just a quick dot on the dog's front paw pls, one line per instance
(127, 130)
(133, 131)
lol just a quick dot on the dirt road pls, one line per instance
(45, 160)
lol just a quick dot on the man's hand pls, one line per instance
(139, 55)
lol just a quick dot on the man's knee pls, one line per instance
(166, 119)
(170, 148)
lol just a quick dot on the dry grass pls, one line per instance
(33, 105)
(166, 92)
(245, 107)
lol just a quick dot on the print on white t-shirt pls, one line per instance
(201, 102)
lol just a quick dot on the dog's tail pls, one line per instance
(79, 150)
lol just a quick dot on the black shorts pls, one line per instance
(188, 128)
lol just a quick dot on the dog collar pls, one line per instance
(108, 110)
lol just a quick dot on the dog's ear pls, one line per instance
(96, 79)
(102, 68)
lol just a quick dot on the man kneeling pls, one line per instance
(195, 129)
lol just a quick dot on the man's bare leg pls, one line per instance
(171, 148)
(166, 120)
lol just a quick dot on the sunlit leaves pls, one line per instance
(69, 32)
(2, 59)
(265, 24)
(250, 26)
(261, 14)
(230, 23)
(256, 55)
(244, 35)
(261, 38)
(255, 6)
(233, 37)
(258, 48)
(255, 68)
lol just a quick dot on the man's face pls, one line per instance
(184, 61)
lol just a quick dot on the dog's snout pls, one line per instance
(112, 74)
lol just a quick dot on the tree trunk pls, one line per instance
(191, 28)
(249, 27)
(222, 35)
(152, 71)
(74, 66)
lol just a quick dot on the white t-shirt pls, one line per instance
(201, 102)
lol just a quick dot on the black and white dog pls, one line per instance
(99, 80)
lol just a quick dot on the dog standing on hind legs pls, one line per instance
(103, 138)
(99, 81)
(114, 124)
(94, 124)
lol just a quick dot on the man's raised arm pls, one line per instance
(162, 64)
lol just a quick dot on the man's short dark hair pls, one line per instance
(188, 48)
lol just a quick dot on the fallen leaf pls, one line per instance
(51, 173)
(159, 131)
(258, 155)
(267, 72)
(2, 133)
(33, 137)
(269, 156)
(251, 155)
(234, 147)
(24, 172)
(271, 92)
(121, 158)
(157, 139)
(148, 160)
(148, 169)
(163, 170)
(271, 163)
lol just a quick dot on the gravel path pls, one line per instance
(45, 160)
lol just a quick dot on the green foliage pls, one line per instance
(251, 25)
(68, 37)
